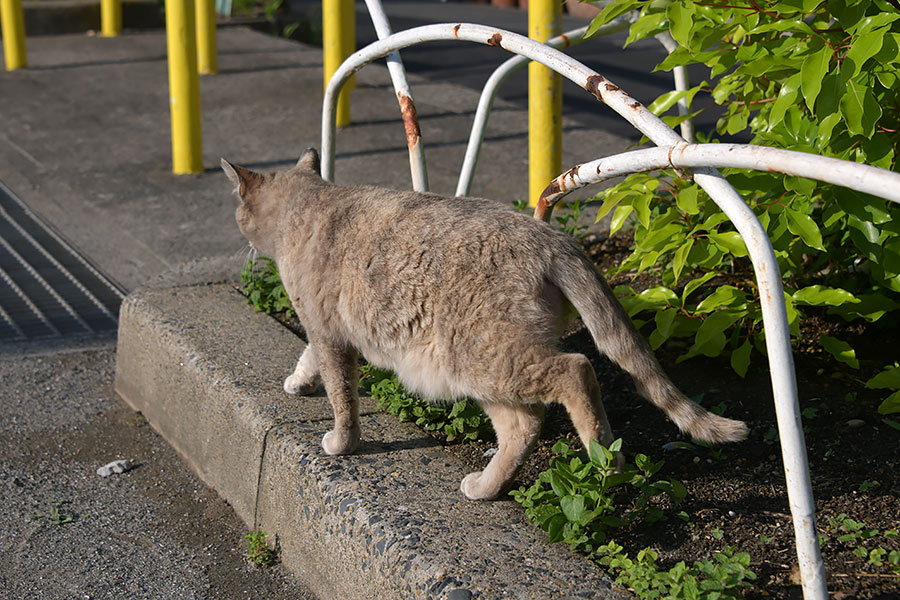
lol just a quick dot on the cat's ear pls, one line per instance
(243, 179)
(310, 160)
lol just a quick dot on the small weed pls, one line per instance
(704, 580)
(765, 540)
(520, 204)
(853, 535)
(577, 501)
(55, 516)
(717, 533)
(867, 485)
(462, 419)
(567, 218)
(261, 284)
(258, 552)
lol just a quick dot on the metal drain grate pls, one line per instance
(48, 289)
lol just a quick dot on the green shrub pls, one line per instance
(806, 75)
(462, 419)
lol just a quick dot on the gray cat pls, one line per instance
(459, 297)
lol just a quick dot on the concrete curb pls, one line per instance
(386, 522)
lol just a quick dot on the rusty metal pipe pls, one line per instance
(417, 167)
(857, 176)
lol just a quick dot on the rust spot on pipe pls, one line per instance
(566, 41)
(635, 105)
(593, 86)
(410, 119)
(456, 30)
(544, 208)
(611, 87)
(495, 39)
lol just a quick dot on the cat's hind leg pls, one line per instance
(570, 380)
(305, 378)
(517, 427)
(340, 374)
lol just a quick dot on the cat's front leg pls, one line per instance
(340, 374)
(305, 378)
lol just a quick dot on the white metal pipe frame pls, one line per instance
(699, 160)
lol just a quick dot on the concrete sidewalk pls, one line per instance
(85, 143)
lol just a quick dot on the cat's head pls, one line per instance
(262, 196)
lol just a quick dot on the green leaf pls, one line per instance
(860, 108)
(740, 358)
(681, 258)
(862, 49)
(730, 241)
(560, 486)
(573, 508)
(891, 405)
(641, 206)
(888, 379)
(786, 98)
(802, 225)
(666, 101)
(821, 295)
(725, 295)
(812, 73)
(619, 218)
(710, 339)
(867, 24)
(694, 284)
(680, 16)
(841, 350)
(686, 200)
(597, 455)
(610, 12)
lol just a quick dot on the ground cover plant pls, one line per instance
(460, 420)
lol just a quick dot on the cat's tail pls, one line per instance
(617, 338)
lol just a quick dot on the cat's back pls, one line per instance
(448, 224)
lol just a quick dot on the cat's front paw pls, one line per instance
(301, 384)
(340, 441)
(475, 487)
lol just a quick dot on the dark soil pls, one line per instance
(736, 493)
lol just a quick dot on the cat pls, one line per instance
(460, 297)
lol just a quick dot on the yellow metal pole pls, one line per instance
(12, 20)
(206, 37)
(110, 18)
(544, 102)
(338, 42)
(184, 87)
